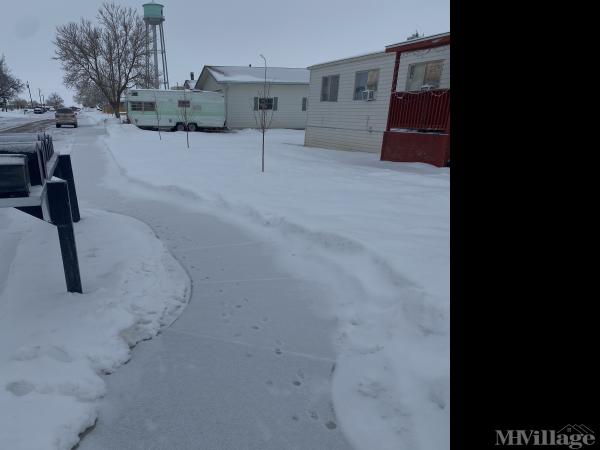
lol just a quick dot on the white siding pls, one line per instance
(349, 124)
(431, 54)
(289, 114)
(210, 84)
(239, 103)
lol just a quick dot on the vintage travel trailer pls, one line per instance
(176, 109)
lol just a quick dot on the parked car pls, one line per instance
(38, 110)
(65, 116)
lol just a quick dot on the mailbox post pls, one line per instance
(39, 182)
(60, 215)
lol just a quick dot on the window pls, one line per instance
(304, 100)
(142, 106)
(329, 88)
(183, 103)
(365, 80)
(265, 103)
(425, 75)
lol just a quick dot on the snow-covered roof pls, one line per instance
(243, 74)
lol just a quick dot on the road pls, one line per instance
(21, 123)
(248, 365)
(31, 127)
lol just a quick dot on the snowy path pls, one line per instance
(249, 362)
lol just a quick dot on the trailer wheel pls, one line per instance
(180, 127)
(192, 127)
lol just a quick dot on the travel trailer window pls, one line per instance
(142, 106)
(425, 75)
(183, 103)
(329, 88)
(365, 80)
(304, 99)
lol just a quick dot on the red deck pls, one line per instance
(418, 126)
(427, 111)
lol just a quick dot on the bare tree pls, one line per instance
(20, 103)
(55, 100)
(262, 105)
(89, 95)
(110, 54)
(184, 107)
(157, 116)
(10, 86)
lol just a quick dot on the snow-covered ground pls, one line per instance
(54, 345)
(375, 233)
(11, 119)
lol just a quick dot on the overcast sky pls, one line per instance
(295, 33)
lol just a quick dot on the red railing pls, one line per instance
(426, 110)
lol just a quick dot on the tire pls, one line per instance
(180, 127)
(192, 127)
(75, 125)
(57, 125)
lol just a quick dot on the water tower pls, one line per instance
(153, 16)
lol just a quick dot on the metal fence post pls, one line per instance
(60, 215)
(65, 171)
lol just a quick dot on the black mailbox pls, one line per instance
(35, 158)
(14, 176)
(45, 139)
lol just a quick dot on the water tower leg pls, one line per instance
(147, 84)
(164, 54)
(156, 85)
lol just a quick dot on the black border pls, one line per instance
(523, 328)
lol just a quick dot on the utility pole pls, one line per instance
(40, 95)
(30, 98)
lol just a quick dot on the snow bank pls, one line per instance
(10, 119)
(53, 344)
(375, 233)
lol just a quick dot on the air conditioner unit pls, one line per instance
(369, 95)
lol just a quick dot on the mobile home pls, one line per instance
(176, 109)
(242, 86)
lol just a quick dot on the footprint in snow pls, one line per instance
(20, 388)
(331, 425)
